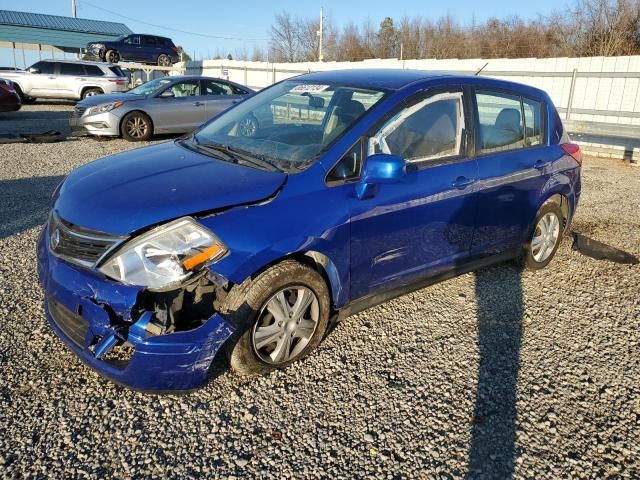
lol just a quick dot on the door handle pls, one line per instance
(51, 78)
(540, 164)
(198, 104)
(463, 182)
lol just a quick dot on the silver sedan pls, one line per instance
(165, 105)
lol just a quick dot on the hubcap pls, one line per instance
(136, 127)
(285, 325)
(247, 127)
(545, 237)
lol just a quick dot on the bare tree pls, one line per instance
(284, 44)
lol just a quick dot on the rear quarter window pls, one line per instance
(93, 71)
(118, 71)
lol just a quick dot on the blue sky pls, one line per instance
(253, 18)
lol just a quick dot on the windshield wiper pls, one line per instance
(239, 155)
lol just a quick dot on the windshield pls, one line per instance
(150, 87)
(289, 124)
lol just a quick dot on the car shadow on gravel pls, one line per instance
(25, 203)
(499, 301)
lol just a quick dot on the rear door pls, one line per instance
(514, 164)
(151, 48)
(71, 77)
(219, 95)
(424, 224)
(182, 112)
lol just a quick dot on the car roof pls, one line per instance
(397, 79)
(81, 62)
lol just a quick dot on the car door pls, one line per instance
(44, 83)
(150, 48)
(70, 78)
(131, 49)
(219, 95)
(177, 108)
(424, 224)
(513, 167)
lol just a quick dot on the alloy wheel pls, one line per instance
(136, 127)
(286, 324)
(545, 237)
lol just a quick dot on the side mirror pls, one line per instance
(379, 169)
(167, 94)
(34, 70)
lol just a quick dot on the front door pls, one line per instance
(424, 224)
(183, 111)
(218, 96)
(45, 82)
(131, 49)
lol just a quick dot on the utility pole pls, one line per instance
(73, 8)
(320, 34)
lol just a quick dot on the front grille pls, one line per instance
(78, 245)
(73, 326)
(78, 112)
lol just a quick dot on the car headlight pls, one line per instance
(106, 107)
(165, 256)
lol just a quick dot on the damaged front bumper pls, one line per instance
(95, 316)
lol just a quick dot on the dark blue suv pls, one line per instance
(315, 198)
(150, 49)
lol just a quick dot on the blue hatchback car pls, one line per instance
(316, 198)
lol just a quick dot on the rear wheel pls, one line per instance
(164, 61)
(545, 238)
(280, 316)
(136, 127)
(111, 56)
(89, 92)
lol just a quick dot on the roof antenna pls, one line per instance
(481, 68)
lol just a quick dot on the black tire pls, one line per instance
(132, 134)
(243, 308)
(111, 56)
(164, 60)
(88, 92)
(527, 259)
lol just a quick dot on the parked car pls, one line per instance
(367, 184)
(9, 99)
(67, 79)
(151, 49)
(166, 105)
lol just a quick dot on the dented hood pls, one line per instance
(132, 190)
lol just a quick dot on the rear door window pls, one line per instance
(501, 122)
(533, 121)
(150, 41)
(211, 87)
(429, 129)
(75, 69)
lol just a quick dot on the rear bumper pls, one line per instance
(91, 314)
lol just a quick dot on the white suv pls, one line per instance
(68, 79)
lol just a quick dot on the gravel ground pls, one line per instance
(489, 375)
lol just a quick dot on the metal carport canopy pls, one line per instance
(21, 29)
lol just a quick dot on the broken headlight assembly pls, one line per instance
(164, 257)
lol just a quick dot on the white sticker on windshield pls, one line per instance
(311, 88)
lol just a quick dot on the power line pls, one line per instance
(216, 37)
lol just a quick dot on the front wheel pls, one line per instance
(545, 237)
(280, 316)
(136, 127)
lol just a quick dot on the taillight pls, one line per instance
(175, 49)
(117, 81)
(573, 150)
